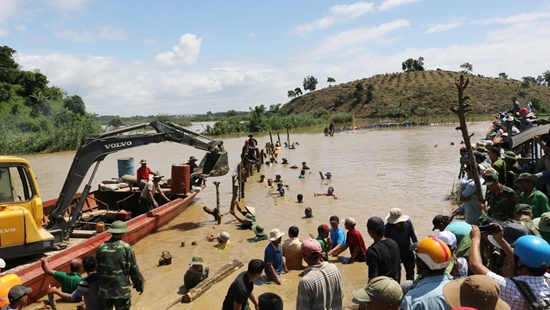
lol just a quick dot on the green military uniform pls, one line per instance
(500, 166)
(529, 225)
(537, 200)
(116, 266)
(501, 203)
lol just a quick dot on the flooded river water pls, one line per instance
(413, 168)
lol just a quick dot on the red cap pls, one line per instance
(310, 247)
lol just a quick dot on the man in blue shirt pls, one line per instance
(337, 236)
(273, 257)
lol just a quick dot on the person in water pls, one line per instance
(330, 192)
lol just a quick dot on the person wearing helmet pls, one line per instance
(531, 258)
(432, 257)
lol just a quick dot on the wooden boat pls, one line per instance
(139, 227)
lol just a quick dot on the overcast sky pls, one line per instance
(179, 57)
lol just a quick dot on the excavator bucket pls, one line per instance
(214, 164)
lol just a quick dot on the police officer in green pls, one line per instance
(116, 266)
(501, 199)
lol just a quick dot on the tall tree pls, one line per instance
(9, 69)
(330, 81)
(467, 67)
(291, 94)
(310, 83)
(75, 104)
(413, 64)
(298, 91)
(546, 77)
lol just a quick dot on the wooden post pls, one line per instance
(462, 111)
(218, 213)
(271, 139)
(287, 137)
(278, 138)
(243, 181)
(235, 192)
(262, 156)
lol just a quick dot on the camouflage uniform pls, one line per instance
(502, 203)
(529, 225)
(116, 266)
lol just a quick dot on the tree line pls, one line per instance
(36, 117)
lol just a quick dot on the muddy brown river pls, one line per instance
(413, 168)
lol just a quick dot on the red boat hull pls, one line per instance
(139, 227)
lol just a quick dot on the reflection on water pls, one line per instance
(373, 171)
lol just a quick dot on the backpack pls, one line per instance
(528, 294)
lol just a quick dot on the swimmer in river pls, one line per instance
(330, 192)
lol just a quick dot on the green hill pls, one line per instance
(419, 93)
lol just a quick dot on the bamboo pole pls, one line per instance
(271, 139)
(278, 138)
(462, 111)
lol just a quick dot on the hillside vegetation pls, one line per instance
(419, 93)
(35, 117)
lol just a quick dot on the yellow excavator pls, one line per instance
(21, 208)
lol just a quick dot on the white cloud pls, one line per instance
(111, 33)
(77, 36)
(519, 18)
(337, 14)
(108, 33)
(186, 52)
(7, 11)
(360, 37)
(68, 5)
(451, 24)
(390, 4)
(111, 86)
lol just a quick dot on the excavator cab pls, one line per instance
(214, 164)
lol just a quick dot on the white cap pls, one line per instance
(2, 264)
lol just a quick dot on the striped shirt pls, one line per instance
(511, 294)
(320, 288)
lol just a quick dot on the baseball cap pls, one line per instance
(310, 247)
(448, 237)
(17, 292)
(380, 289)
(376, 224)
(323, 228)
(438, 219)
(350, 221)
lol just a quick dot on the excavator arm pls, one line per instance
(95, 149)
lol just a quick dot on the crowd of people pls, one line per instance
(492, 252)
